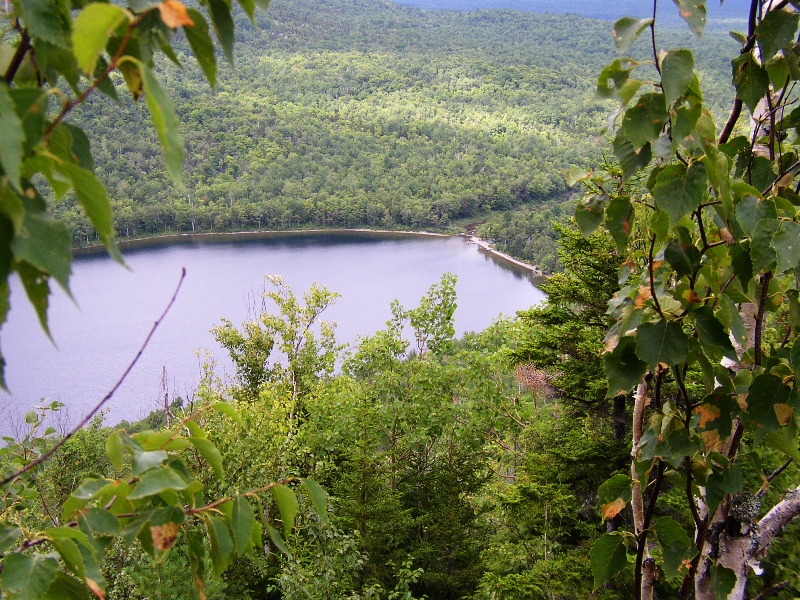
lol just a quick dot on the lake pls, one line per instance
(116, 307)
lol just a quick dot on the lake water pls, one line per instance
(116, 307)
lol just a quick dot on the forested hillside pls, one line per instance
(367, 114)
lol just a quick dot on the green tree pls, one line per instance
(707, 308)
(53, 57)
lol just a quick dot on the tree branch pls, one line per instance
(32, 465)
(777, 518)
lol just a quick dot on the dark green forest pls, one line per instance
(367, 114)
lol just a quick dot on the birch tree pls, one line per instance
(705, 322)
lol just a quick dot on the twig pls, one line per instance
(652, 283)
(760, 317)
(653, 36)
(774, 474)
(19, 55)
(31, 465)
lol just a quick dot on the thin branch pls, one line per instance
(773, 475)
(31, 465)
(652, 284)
(736, 111)
(653, 36)
(777, 518)
(762, 303)
(100, 78)
(641, 538)
(699, 523)
(19, 55)
(256, 492)
(774, 590)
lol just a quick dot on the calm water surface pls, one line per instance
(98, 337)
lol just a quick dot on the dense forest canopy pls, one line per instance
(366, 114)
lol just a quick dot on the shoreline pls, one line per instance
(210, 237)
(486, 248)
(222, 237)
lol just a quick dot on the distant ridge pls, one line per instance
(731, 11)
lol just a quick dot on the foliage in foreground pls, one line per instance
(705, 324)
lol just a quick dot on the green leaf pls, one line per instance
(676, 546)
(99, 522)
(31, 108)
(91, 30)
(223, 26)
(765, 392)
(677, 74)
(276, 538)
(287, 504)
(221, 543)
(626, 30)
(618, 220)
(742, 264)
(318, 497)
(662, 342)
(156, 481)
(81, 148)
(644, 121)
(11, 142)
(9, 534)
(680, 190)
(687, 113)
(624, 370)
(47, 20)
(144, 461)
(201, 45)
(723, 580)
(65, 587)
(750, 210)
(227, 409)
(70, 554)
(786, 243)
(27, 577)
(614, 78)
(91, 194)
(775, 32)
(166, 122)
(607, 558)
(751, 80)
(211, 455)
(589, 214)
(719, 483)
(658, 223)
(712, 332)
(89, 488)
(45, 244)
(613, 495)
(681, 254)
(115, 449)
(629, 159)
(242, 523)
(249, 7)
(37, 289)
(196, 551)
(761, 251)
(694, 13)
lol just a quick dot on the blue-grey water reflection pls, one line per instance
(117, 307)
